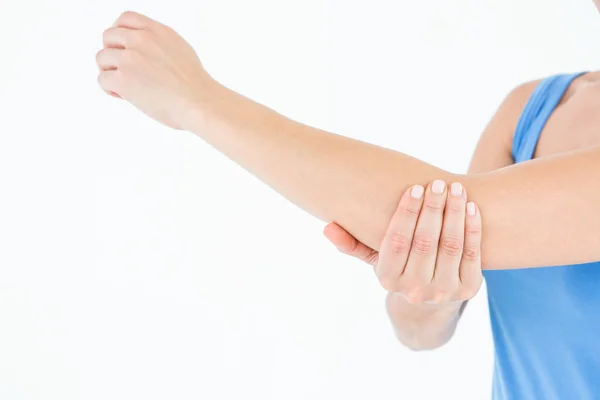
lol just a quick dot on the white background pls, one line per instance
(138, 263)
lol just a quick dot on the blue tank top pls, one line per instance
(545, 321)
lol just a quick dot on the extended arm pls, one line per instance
(538, 213)
(542, 212)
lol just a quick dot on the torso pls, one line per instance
(545, 321)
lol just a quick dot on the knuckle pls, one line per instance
(451, 246)
(467, 293)
(440, 295)
(399, 243)
(410, 211)
(473, 229)
(102, 82)
(137, 37)
(372, 259)
(442, 291)
(103, 79)
(107, 33)
(433, 206)
(111, 79)
(455, 206)
(422, 244)
(128, 15)
(471, 253)
(410, 297)
(387, 282)
(414, 296)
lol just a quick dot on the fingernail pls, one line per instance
(417, 192)
(456, 189)
(471, 209)
(438, 187)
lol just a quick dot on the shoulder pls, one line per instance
(517, 98)
(494, 148)
(507, 116)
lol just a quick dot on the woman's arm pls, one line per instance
(429, 262)
(538, 213)
(419, 324)
(543, 212)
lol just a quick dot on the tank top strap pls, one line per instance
(538, 109)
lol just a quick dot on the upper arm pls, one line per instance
(539, 213)
(493, 150)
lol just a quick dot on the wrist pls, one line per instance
(199, 110)
(422, 326)
(447, 309)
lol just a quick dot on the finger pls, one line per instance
(133, 20)
(121, 38)
(395, 247)
(470, 265)
(108, 59)
(446, 274)
(421, 260)
(347, 244)
(109, 82)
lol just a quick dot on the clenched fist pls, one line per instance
(152, 67)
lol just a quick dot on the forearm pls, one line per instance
(538, 213)
(422, 326)
(332, 177)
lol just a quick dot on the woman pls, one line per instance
(353, 183)
(545, 321)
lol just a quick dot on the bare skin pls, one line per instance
(425, 316)
(352, 183)
(423, 325)
(422, 322)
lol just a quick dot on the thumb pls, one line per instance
(348, 244)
